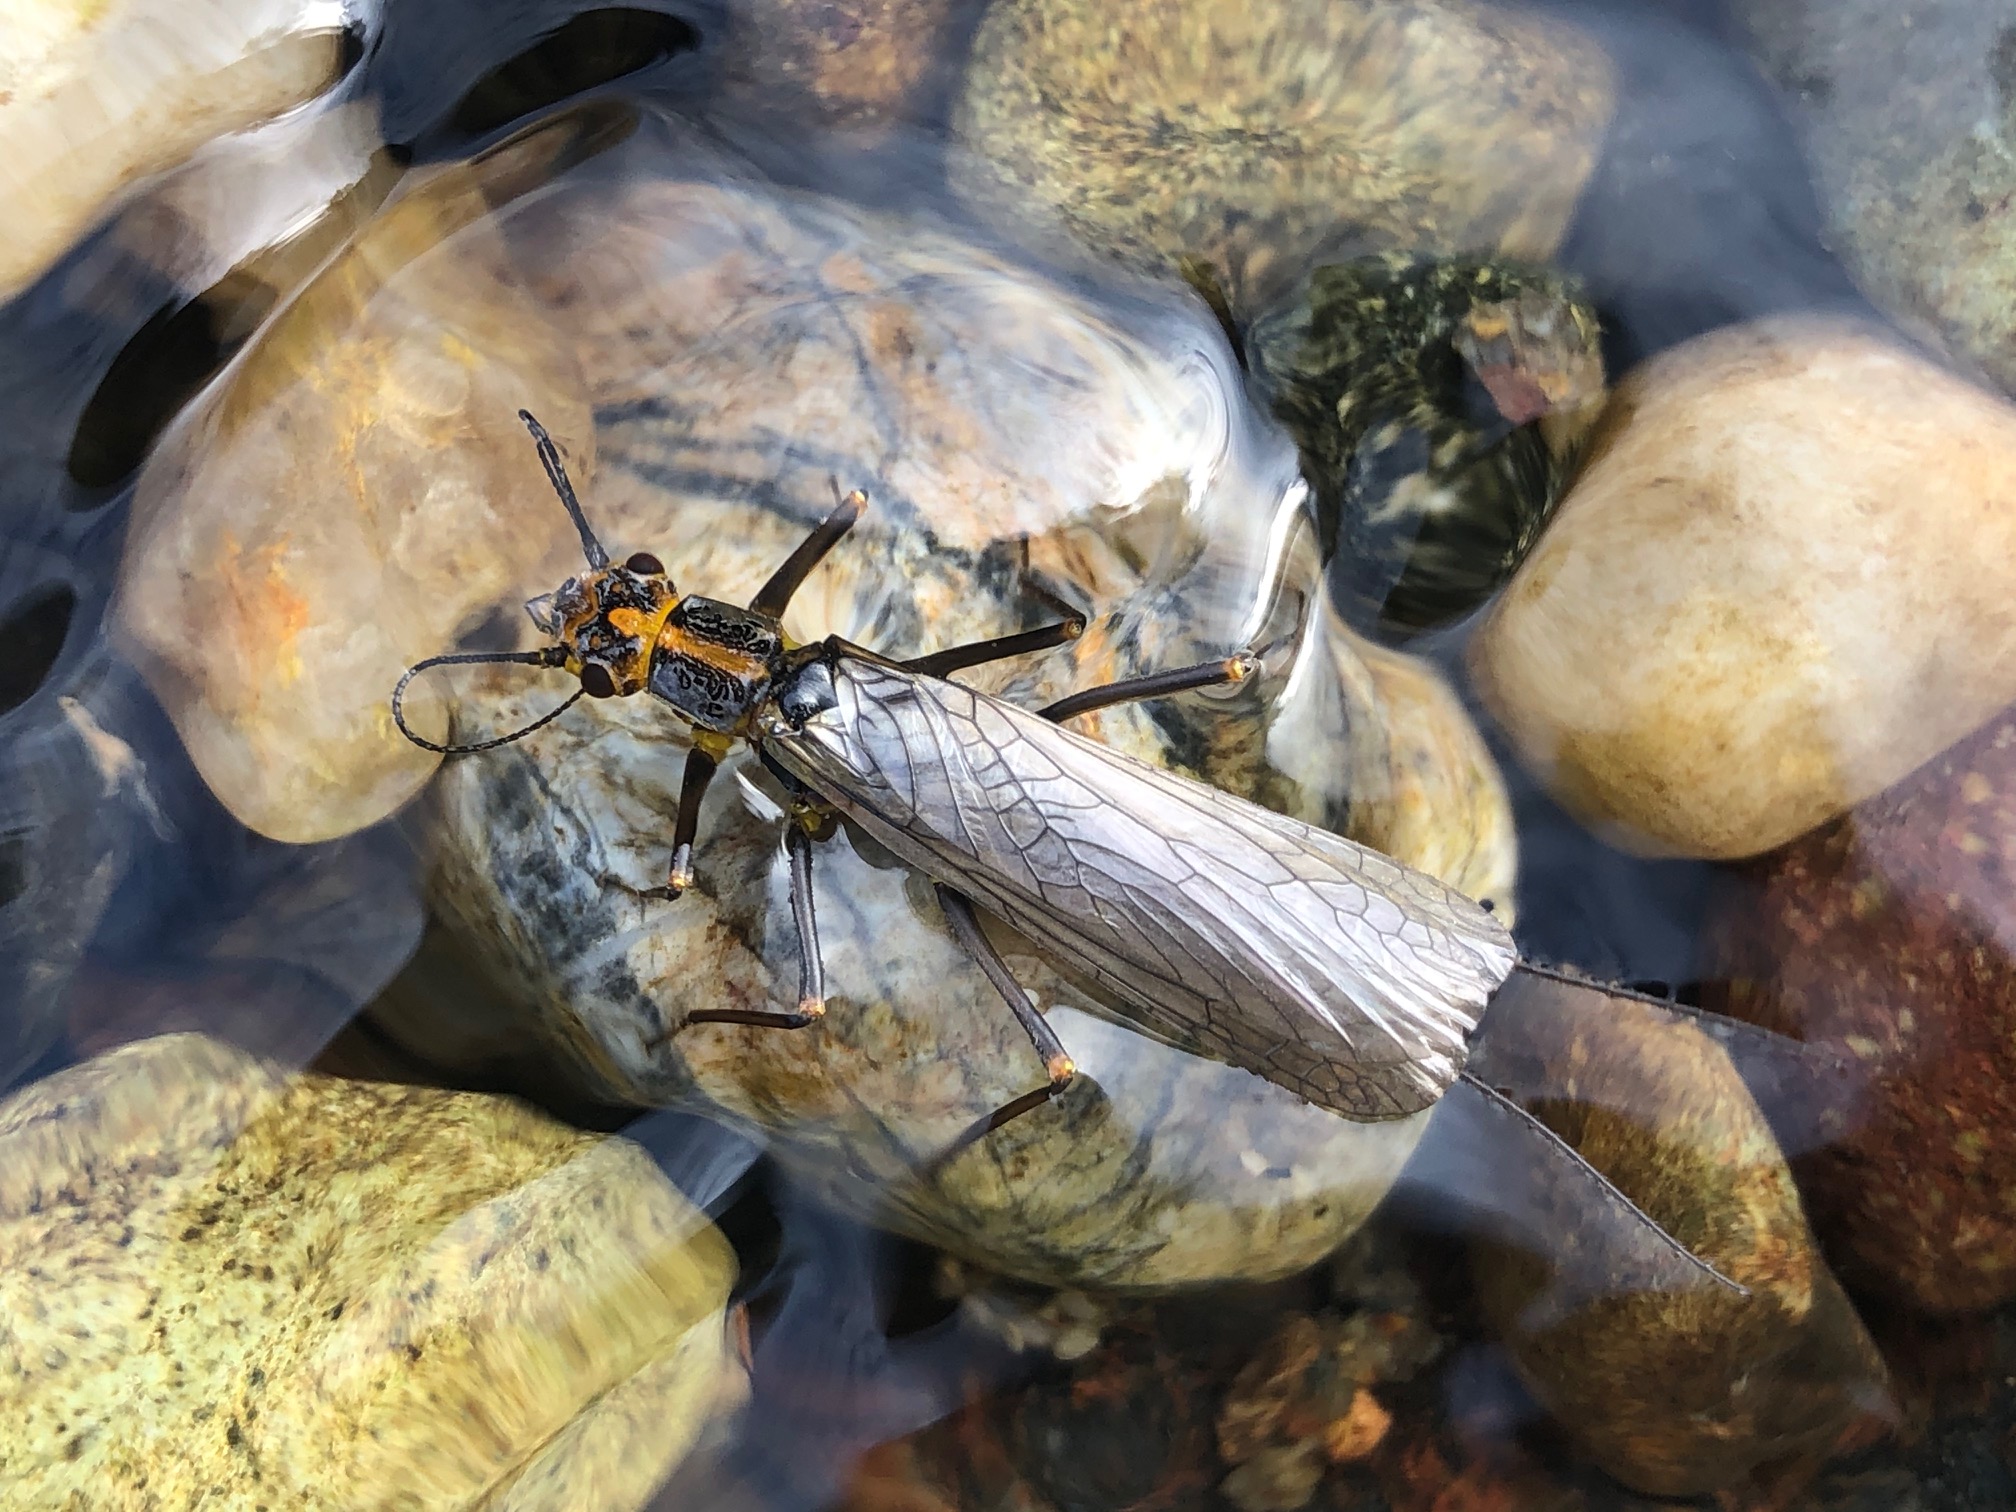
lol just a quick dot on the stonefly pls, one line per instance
(1331, 970)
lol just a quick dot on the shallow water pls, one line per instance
(712, 269)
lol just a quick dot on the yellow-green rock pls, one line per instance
(1262, 138)
(226, 1286)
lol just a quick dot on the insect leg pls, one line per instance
(1058, 1064)
(966, 928)
(700, 769)
(811, 975)
(1156, 685)
(774, 595)
(811, 972)
(978, 653)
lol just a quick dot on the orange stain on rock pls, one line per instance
(267, 615)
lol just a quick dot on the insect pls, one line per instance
(1251, 937)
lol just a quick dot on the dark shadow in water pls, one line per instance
(448, 75)
(1701, 211)
(836, 1368)
(159, 371)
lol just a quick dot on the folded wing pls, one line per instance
(1248, 936)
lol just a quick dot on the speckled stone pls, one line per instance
(1782, 581)
(1439, 406)
(855, 65)
(95, 96)
(1909, 118)
(744, 351)
(1262, 139)
(1887, 934)
(1672, 1384)
(225, 1286)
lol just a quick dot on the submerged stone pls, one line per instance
(1781, 582)
(1263, 140)
(94, 97)
(1675, 1384)
(1439, 408)
(228, 1285)
(1908, 115)
(1886, 935)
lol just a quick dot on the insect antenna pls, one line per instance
(552, 656)
(556, 473)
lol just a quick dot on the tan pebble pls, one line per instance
(96, 96)
(1782, 582)
(1356, 1434)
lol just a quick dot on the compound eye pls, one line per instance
(596, 680)
(646, 565)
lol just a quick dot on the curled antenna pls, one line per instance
(556, 473)
(552, 656)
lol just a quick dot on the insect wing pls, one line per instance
(1248, 936)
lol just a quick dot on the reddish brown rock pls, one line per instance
(1889, 933)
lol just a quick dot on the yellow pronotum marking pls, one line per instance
(674, 641)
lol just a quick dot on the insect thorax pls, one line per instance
(715, 663)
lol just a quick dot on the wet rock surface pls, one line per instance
(1262, 140)
(309, 1290)
(1439, 407)
(1884, 934)
(1775, 590)
(1909, 117)
(271, 631)
(860, 65)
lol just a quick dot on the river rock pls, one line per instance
(1262, 139)
(1684, 1388)
(1886, 934)
(1433, 494)
(94, 98)
(1781, 582)
(1909, 117)
(854, 65)
(228, 1286)
(249, 218)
